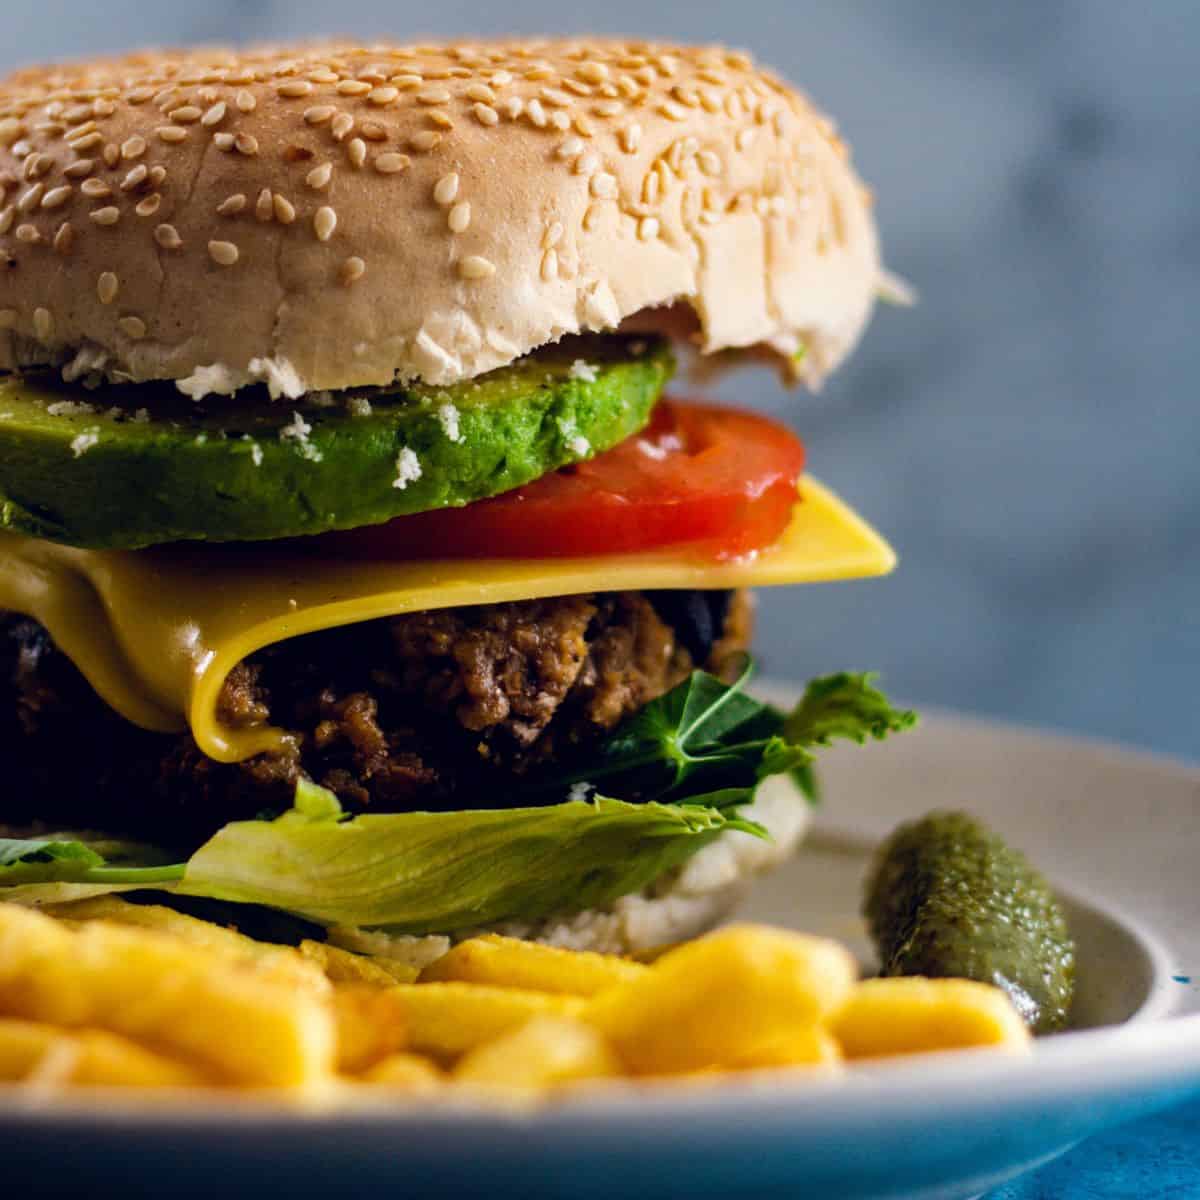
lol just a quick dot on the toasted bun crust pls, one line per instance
(325, 216)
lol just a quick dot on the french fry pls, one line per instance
(912, 1015)
(510, 962)
(186, 999)
(43, 1054)
(448, 1019)
(543, 1052)
(281, 963)
(803, 1046)
(370, 1025)
(710, 1002)
(408, 1072)
(344, 966)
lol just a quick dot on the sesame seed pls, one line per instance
(80, 169)
(485, 114)
(186, 115)
(31, 198)
(319, 114)
(407, 82)
(246, 143)
(285, 210)
(39, 165)
(582, 125)
(7, 216)
(232, 204)
(86, 142)
(28, 234)
(383, 96)
(79, 131)
(107, 287)
(391, 164)
(149, 206)
(587, 163)
(550, 265)
(481, 92)
(593, 72)
(356, 151)
(319, 176)
(440, 118)
(43, 324)
(352, 270)
(710, 162)
(512, 107)
(324, 223)
(648, 229)
(433, 96)
(426, 140)
(446, 188)
(571, 148)
(135, 177)
(459, 217)
(245, 101)
(608, 108)
(167, 236)
(223, 141)
(342, 124)
(294, 88)
(673, 111)
(475, 266)
(214, 115)
(631, 137)
(57, 197)
(536, 113)
(553, 96)
(64, 239)
(133, 147)
(264, 208)
(111, 154)
(171, 133)
(577, 88)
(560, 120)
(224, 254)
(745, 139)
(132, 327)
(353, 87)
(553, 235)
(500, 78)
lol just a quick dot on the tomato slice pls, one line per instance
(720, 481)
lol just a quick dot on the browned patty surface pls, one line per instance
(441, 709)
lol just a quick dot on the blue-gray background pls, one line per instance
(1030, 435)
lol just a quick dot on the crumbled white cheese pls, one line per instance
(215, 379)
(408, 469)
(582, 370)
(281, 378)
(256, 454)
(85, 441)
(359, 406)
(297, 430)
(579, 791)
(447, 415)
(200, 439)
(70, 408)
(579, 445)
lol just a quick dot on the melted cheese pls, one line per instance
(157, 631)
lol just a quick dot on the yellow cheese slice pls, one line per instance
(157, 631)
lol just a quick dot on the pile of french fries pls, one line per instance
(105, 992)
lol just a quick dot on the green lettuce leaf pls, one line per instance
(423, 872)
(72, 858)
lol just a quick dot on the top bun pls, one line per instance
(327, 216)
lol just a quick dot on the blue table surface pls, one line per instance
(1152, 1159)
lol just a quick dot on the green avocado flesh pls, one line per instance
(117, 475)
(947, 898)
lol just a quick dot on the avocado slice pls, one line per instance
(125, 467)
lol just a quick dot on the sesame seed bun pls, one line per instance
(328, 216)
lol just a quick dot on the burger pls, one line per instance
(356, 571)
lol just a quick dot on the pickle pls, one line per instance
(947, 898)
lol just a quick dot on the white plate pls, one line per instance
(1119, 832)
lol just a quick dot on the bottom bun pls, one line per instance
(683, 903)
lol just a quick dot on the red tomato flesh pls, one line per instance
(719, 481)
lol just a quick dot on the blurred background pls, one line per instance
(1029, 436)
